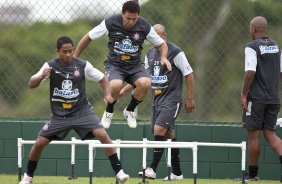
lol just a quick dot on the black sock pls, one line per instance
(31, 167)
(175, 162)
(158, 152)
(253, 171)
(133, 103)
(116, 165)
(280, 159)
(110, 107)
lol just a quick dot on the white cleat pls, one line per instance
(122, 177)
(131, 118)
(26, 179)
(107, 119)
(149, 173)
(173, 177)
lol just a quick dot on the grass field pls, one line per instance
(12, 179)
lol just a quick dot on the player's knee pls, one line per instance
(144, 83)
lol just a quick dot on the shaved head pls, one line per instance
(160, 30)
(258, 27)
(259, 22)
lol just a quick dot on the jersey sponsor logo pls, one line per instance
(126, 46)
(264, 49)
(157, 78)
(66, 91)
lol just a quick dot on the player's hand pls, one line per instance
(108, 99)
(189, 105)
(166, 62)
(46, 72)
(243, 100)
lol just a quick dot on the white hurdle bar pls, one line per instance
(92, 144)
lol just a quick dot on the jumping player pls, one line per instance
(126, 33)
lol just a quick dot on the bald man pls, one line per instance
(260, 99)
(167, 99)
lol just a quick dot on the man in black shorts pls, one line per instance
(167, 99)
(126, 33)
(260, 94)
(69, 105)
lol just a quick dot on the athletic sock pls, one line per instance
(175, 162)
(116, 165)
(157, 153)
(280, 159)
(133, 103)
(110, 107)
(253, 171)
(31, 167)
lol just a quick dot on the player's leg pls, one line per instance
(140, 80)
(89, 126)
(102, 136)
(253, 122)
(34, 157)
(273, 140)
(175, 152)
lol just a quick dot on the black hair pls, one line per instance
(131, 6)
(63, 40)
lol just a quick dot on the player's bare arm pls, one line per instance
(249, 77)
(105, 84)
(36, 80)
(83, 43)
(189, 101)
(163, 52)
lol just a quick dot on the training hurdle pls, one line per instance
(93, 144)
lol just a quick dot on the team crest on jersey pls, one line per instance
(156, 70)
(136, 36)
(76, 72)
(46, 126)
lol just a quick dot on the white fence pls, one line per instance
(144, 144)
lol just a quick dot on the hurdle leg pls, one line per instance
(90, 161)
(169, 161)
(72, 160)
(144, 163)
(243, 160)
(195, 160)
(118, 154)
(19, 159)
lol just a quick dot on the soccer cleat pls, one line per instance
(173, 177)
(131, 118)
(107, 119)
(122, 177)
(249, 178)
(26, 179)
(149, 173)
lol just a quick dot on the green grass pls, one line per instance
(12, 179)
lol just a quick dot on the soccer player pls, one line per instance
(260, 93)
(126, 33)
(69, 105)
(167, 99)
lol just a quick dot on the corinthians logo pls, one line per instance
(66, 91)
